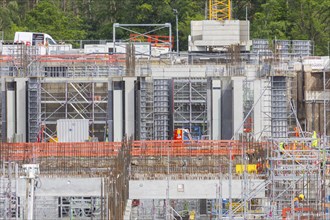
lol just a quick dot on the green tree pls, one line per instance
(9, 18)
(49, 18)
(312, 22)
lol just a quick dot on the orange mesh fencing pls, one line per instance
(188, 148)
(29, 151)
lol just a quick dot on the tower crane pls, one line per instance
(219, 10)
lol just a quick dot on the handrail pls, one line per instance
(173, 210)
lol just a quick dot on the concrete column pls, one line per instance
(262, 109)
(21, 108)
(238, 105)
(11, 111)
(216, 110)
(118, 110)
(129, 106)
(3, 110)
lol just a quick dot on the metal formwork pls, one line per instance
(282, 49)
(154, 109)
(162, 90)
(34, 110)
(146, 122)
(302, 48)
(190, 105)
(260, 45)
(279, 107)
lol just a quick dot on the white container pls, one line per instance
(72, 130)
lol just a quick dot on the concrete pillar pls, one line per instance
(238, 115)
(21, 108)
(3, 110)
(216, 110)
(129, 106)
(262, 109)
(11, 111)
(118, 110)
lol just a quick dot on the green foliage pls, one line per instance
(9, 18)
(296, 20)
(49, 18)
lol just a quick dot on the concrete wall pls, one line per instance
(189, 189)
(63, 187)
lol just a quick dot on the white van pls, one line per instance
(34, 39)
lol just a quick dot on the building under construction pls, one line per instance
(91, 132)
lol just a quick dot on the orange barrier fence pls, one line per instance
(24, 151)
(286, 211)
(188, 148)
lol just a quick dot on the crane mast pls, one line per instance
(219, 10)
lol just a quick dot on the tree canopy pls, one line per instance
(93, 19)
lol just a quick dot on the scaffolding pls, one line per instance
(299, 169)
(190, 105)
(73, 99)
(9, 202)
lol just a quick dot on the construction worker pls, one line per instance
(298, 199)
(281, 147)
(192, 215)
(296, 131)
(314, 140)
(296, 202)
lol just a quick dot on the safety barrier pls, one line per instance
(28, 151)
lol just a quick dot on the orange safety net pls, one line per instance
(28, 151)
(155, 40)
(188, 148)
(285, 211)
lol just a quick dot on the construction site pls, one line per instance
(233, 128)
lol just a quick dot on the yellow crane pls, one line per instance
(219, 10)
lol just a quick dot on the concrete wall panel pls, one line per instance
(188, 189)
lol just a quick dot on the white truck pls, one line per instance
(45, 44)
(34, 39)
